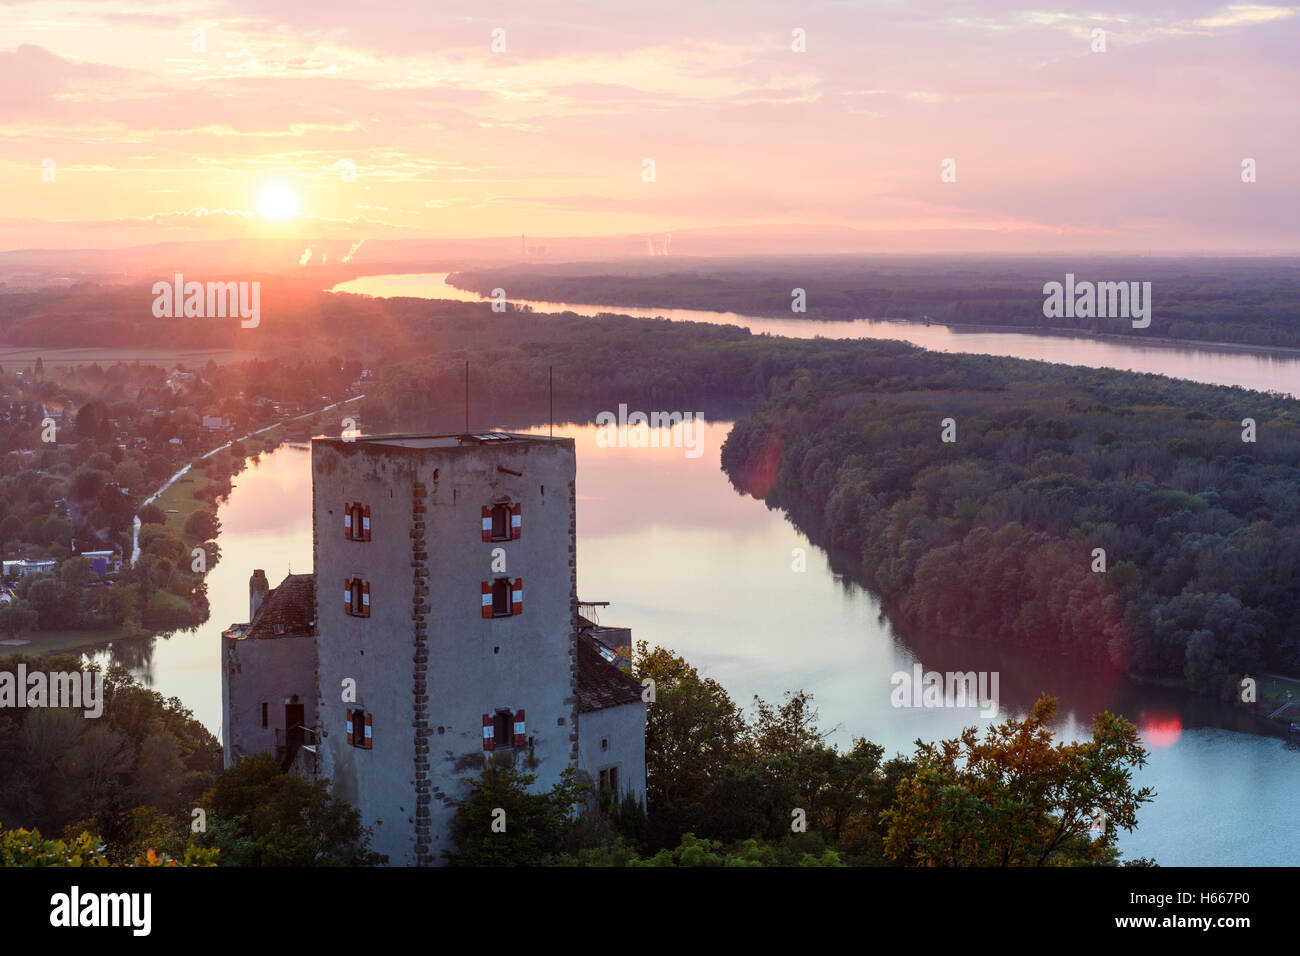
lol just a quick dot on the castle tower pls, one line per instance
(446, 614)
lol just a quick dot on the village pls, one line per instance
(91, 551)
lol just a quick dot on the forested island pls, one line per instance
(1140, 524)
(1241, 301)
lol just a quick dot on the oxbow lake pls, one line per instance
(690, 564)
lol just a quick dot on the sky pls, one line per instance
(125, 122)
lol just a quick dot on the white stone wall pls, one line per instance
(622, 730)
(426, 663)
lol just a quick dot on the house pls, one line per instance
(25, 566)
(103, 562)
(458, 640)
(215, 422)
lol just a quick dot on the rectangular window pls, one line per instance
(356, 521)
(502, 729)
(359, 729)
(500, 522)
(501, 597)
(356, 597)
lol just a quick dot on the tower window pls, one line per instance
(359, 729)
(356, 597)
(502, 728)
(356, 521)
(501, 597)
(500, 523)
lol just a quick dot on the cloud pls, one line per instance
(1244, 14)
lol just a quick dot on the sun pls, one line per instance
(277, 201)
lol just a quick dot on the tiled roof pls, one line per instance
(287, 611)
(600, 683)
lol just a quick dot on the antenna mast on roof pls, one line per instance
(466, 396)
(550, 371)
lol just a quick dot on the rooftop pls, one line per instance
(445, 441)
(602, 684)
(287, 611)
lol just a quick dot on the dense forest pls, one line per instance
(1245, 301)
(1135, 522)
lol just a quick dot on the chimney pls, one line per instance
(258, 587)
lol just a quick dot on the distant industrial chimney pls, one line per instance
(258, 587)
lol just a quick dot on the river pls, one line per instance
(692, 565)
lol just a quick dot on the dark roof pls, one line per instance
(600, 683)
(287, 611)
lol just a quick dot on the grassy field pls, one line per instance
(41, 643)
(24, 357)
(180, 498)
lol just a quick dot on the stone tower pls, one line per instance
(446, 615)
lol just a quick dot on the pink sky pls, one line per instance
(1057, 148)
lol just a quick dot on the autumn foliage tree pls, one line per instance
(1015, 798)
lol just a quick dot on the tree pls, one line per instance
(11, 529)
(152, 514)
(202, 525)
(258, 816)
(16, 617)
(87, 483)
(693, 731)
(119, 604)
(1014, 799)
(57, 533)
(76, 572)
(45, 596)
(693, 851)
(533, 827)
